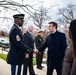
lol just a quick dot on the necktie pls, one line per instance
(32, 36)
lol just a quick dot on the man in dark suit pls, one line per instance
(16, 54)
(29, 41)
(39, 41)
(56, 43)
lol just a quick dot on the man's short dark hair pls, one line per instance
(54, 24)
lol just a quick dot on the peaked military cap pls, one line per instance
(40, 30)
(18, 16)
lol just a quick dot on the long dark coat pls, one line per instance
(56, 44)
(17, 48)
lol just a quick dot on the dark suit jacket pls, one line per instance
(28, 40)
(56, 44)
(17, 48)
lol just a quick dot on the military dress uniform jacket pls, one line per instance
(56, 44)
(17, 48)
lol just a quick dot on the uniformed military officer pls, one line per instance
(16, 54)
(39, 41)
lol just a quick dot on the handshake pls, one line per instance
(36, 51)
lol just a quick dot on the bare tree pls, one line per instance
(40, 17)
(68, 13)
(38, 14)
(21, 6)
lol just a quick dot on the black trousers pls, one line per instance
(28, 65)
(50, 71)
(39, 58)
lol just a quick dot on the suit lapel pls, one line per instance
(30, 35)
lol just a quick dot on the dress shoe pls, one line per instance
(39, 68)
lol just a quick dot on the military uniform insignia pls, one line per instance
(18, 38)
(40, 39)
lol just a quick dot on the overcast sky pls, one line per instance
(58, 4)
(47, 3)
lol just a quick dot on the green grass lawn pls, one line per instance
(3, 56)
(34, 61)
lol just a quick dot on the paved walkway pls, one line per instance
(5, 68)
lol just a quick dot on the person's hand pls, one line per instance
(35, 51)
(27, 56)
